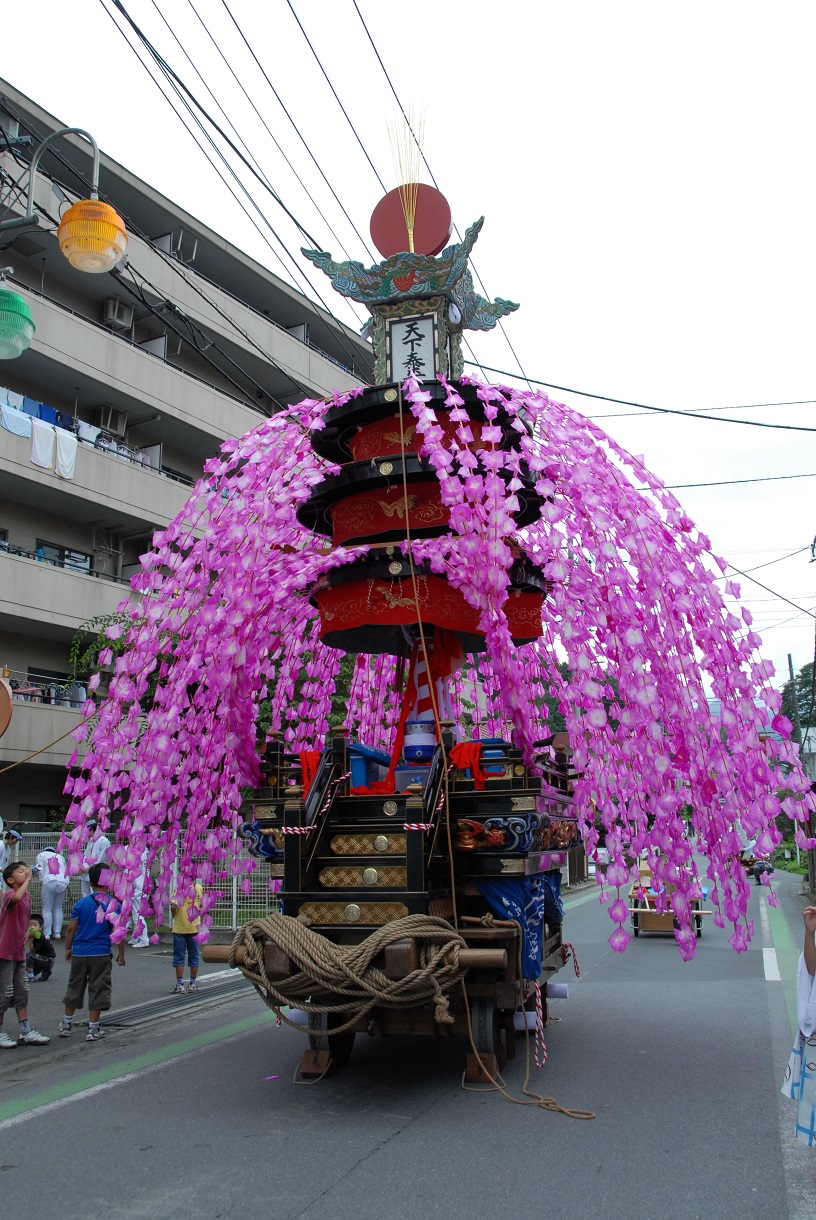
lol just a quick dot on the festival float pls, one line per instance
(481, 552)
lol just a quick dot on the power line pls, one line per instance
(336, 96)
(773, 478)
(168, 71)
(769, 562)
(436, 184)
(137, 292)
(767, 589)
(298, 269)
(266, 127)
(751, 423)
(297, 130)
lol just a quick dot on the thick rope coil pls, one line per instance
(341, 978)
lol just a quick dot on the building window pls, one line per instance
(62, 556)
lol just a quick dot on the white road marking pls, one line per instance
(771, 965)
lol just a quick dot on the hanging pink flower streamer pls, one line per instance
(222, 619)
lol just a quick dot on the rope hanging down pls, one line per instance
(341, 978)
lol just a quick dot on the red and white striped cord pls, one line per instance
(539, 1044)
(417, 826)
(296, 830)
(568, 951)
(330, 794)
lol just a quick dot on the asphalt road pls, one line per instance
(198, 1115)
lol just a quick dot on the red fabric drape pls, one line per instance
(467, 756)
(309, 762)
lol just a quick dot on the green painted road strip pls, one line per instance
(578, 899)
(787, 952)
(90, 1080)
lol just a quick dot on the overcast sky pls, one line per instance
(646, 174)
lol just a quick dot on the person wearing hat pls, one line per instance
(95, 853)
(52, 871)
(7, 845)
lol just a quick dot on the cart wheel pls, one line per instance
(340, 1045)
(489, 1032)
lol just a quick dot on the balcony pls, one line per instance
(104, 486)
(111, 363)
(49, 599)
(34, 725)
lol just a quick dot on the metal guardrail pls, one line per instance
(232, 908)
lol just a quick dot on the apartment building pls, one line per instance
(150, 368)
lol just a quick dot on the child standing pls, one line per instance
(40, 953)
(800, 1074)
(184, 939)
(88, 949)
(14, 920)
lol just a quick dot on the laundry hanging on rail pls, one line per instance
(65, 462)
(15, 421)
(42, 444)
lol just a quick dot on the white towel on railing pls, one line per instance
(16, 421)
(65, 463)
(42, 443)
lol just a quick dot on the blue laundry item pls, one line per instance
(48, 413)
(523, 899)
(65, 421)
(31, 407)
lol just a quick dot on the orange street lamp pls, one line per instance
(91, 234)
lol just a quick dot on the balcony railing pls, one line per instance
(11, 548)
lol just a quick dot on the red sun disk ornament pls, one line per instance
(432, 226)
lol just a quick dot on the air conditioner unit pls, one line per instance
(118, 314)
(111, 419)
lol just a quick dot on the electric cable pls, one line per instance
(436, 184)
(267, 128)
(798, 402)
(175, 311)
(159, 293)
(297, 130)
(771, 478)
(169, 72)
(336, 96)
(179, 270)
(767, 589)
(299, 270)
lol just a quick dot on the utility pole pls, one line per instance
(811, 855)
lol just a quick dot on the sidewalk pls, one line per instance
(148, 974)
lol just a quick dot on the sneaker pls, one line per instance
(6, 1043)
(191, 986)
(93, 1035)
(30, 977)
(141, 943)
(33, 1038)
(178, 989)
(64, 1030)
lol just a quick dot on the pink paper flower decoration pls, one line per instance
(220, 618)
